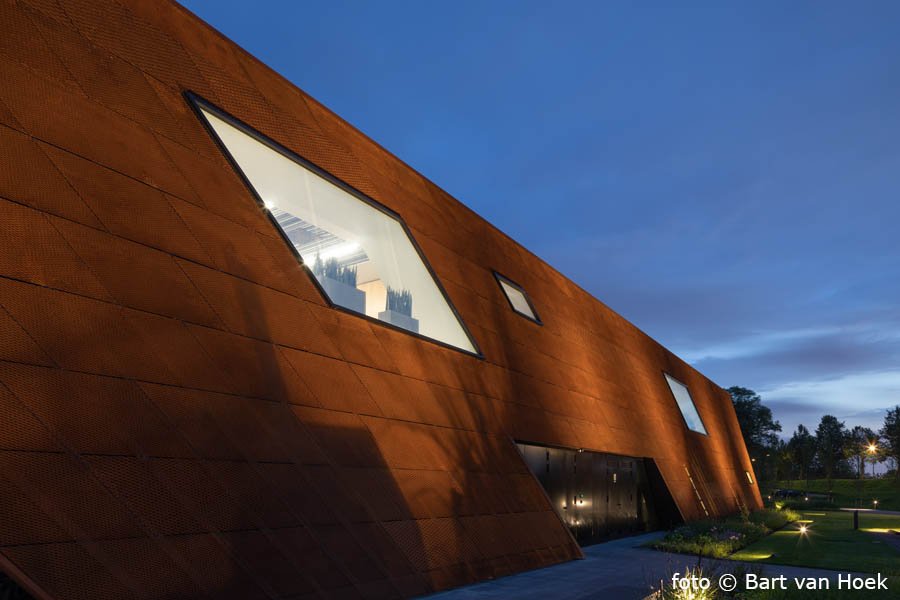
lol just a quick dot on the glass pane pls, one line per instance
(686, 404)
(517, 299)
(360, 255)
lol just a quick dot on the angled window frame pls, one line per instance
(198, 104)
(503, 279)
(669, 379)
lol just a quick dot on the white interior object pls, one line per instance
(686, 404)
(343, 238)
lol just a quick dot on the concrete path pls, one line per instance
(620, 569)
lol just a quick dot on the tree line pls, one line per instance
(832, 451)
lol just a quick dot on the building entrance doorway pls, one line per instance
(599, 496)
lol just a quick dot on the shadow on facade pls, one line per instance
(255, 500)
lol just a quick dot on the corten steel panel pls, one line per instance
(185, 416)
(50, 193)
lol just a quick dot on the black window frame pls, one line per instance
(705, 431)
(198, 103)
(501, 279)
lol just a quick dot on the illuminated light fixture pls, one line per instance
(806, 498)
(749, 477)
(875, 503)
(803, 530)
(339, 251)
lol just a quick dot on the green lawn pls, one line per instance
(793, 593)
(846, 491)
(830, 543)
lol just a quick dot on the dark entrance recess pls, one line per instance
(601, 496)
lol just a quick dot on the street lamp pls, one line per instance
(872, 449)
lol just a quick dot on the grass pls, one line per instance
(718, 538)
(712, 573)
(833, 594)
(847, 491)
(830, 543)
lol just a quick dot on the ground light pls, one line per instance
(803, 528)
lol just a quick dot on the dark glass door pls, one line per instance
(599, 496)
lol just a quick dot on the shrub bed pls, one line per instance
(717, 538)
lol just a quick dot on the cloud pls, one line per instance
(859, 398)
(757, 344)
(812, 355)
(848, 370)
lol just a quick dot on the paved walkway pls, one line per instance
(619, 569)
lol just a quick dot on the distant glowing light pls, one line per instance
(803, 530)
(269, 204)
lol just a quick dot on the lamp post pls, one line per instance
(872, 449)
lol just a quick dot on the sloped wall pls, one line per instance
(184, 417)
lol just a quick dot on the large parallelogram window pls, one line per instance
(686, 405)
(361, 254)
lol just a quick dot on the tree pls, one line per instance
(757, 425)
(802, 448)
(858, 441)
(784, 464)
(890, 436)
(831, 438)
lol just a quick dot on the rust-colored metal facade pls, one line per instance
(181, 413)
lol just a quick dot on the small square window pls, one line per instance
(686, 405)
(518, 299)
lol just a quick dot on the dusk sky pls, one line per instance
(724, 175)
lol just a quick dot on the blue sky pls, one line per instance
(725, 175)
